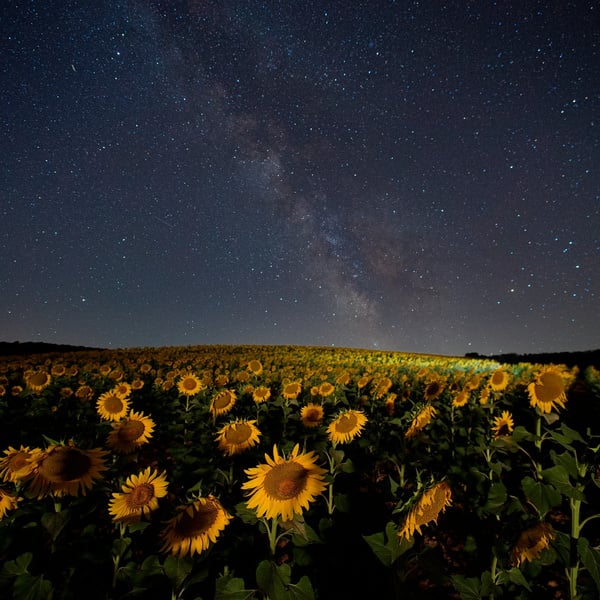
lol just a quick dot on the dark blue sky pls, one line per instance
(415, 176)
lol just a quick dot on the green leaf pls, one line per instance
(19, 566)
(544, 497)
(303, 590)
(516, 576)
(55, 522)
(566, 460)
(177, 569)
(559, 478)
(27, 587)
(387, 545)
(273, 579)
(467, 587)
(496, 498)
(590, 558)
(228, 587)
(246, 514)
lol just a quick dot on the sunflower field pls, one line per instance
(282, 472)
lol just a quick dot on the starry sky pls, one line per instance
(421, 176)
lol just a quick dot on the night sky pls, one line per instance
(421, 176)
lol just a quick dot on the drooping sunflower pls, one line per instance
(382, 388)
(499, 380)
(428, 508)
(139, 497)
(390, 403)
(421, 420)
(503, 425)
(190, 385)
(284, 486)
(38, 381)
(531, 543)
(131, 433)
(8, 501)
(111, 406)
(222, 402)
(346, 426)
(15, 466)
(548, 390)
(238, 436)
(65, 470)
(261, 394)
(311, 415)
(194, 527)
(292, 390)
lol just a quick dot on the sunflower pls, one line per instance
(432, 390)
(8, 501)
(111, 406)
(194, 527)
(190, 385)
(346, 426)
(461, 398)
(15, 466)
(284, 486)
(128, 435)
(499, 380)
(311, 415)
(390, 404)
(428, 508)
(531, 543)
(38, 381)
(503, 425)
(548, 390)
(326, 389)
(139, 497)
(123, 389)
(383, 387)
(292, 390)
(222, 402)
(65, 470)
(261, 394)
(255, 367)
(238, 436)
(484, 396)
(421, 420)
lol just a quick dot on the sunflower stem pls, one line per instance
(538, 445)
(271, 525)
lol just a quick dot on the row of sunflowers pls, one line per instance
(295, 472)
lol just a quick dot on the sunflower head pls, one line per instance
(238, 436)
(346, 426)
(311, 415)
(65, 470)
(111, 406)
(284, 486)
(420, 421)
(131, 433)
(548, 390)
(326, 389)
(190, 385)
(255, 367)
(461, 399)
(38, 381)
(261, 394)
(503, 425)
(499, 380)
(532, 542)
(194, 527)
(427, 509)
(8, 501)
(292, 390)
(222, 402)
(16, 466)
(139, 497)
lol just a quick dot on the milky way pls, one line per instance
(414, 176)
